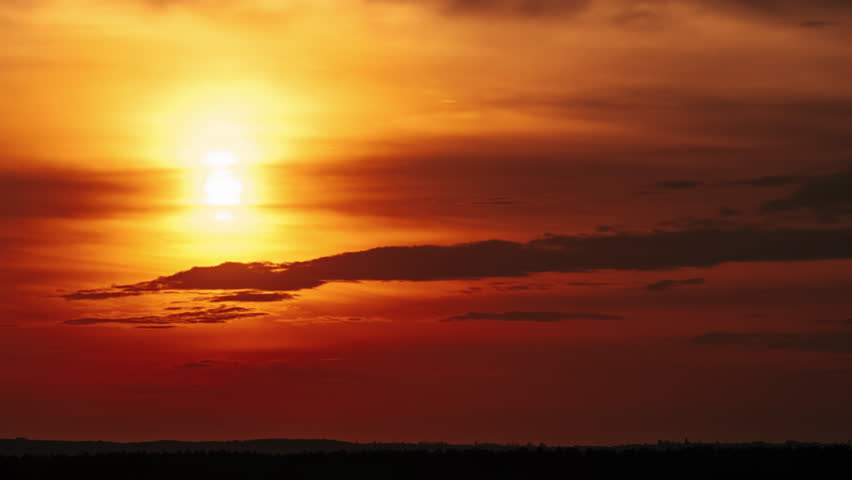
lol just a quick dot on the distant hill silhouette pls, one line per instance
(23, 446)
(271, 446)
(291, 458)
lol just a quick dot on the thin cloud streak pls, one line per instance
(664, 285)
(221, 314)
(543, 317)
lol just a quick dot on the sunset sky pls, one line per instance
(559, 221)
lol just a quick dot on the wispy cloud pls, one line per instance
(664, 285)
(100, 294)
(532, 316)
(220, 314)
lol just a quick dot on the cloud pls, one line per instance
(471, 290)
(678, 184)
(694, 223)
(770, 181)
(827, 342)
(781, 8)
(827, 196)
(658, 250)
(100, 294)
(199, 364)
(817, 24)
(764, 181)
(729, 212)
(532, 316)
(75, 193)
(806, 13)
(518, 287)
(664, 285)
(253, 297)
(518, 8)
(801, 13)
(497, 201)
(332, 319)
(795, 119)
(843, 323)
(257, 276)
(214, 315)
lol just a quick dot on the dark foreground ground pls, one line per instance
(24, 459)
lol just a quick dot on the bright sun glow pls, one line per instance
(222, 186)
(222, 133)
(220, 159)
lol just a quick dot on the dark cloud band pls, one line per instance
(657, 250)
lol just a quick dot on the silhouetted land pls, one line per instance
(29, 459)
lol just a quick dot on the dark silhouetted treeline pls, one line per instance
(434, 461)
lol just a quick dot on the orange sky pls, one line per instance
(611, 221)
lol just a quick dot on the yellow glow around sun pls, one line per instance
(228, 121)
(221, 133)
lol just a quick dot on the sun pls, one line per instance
(222, 186)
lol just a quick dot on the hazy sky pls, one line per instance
(575, 221)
